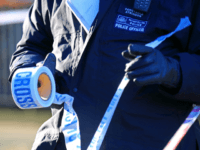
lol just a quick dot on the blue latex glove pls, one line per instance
(152, 67)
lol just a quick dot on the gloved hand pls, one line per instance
(151, 67)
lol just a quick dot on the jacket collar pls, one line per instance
(104, 5)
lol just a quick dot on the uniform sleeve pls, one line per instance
(190, 65)
(36, 40)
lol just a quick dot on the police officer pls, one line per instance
(89, 67)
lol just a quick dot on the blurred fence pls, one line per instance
(10, 34)
(9, 37)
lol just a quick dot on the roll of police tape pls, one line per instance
(33, 87)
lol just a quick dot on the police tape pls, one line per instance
(103, 126)
(34, 87)
(180, 133)
(184, 22)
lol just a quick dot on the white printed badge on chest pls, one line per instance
(85, 11)
(130, 24)
(34, 87)
(131, 20)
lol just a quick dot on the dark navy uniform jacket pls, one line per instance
(90, 68)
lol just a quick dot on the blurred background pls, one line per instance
(17, 127)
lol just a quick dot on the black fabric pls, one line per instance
(90, 68)
(49, 135)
